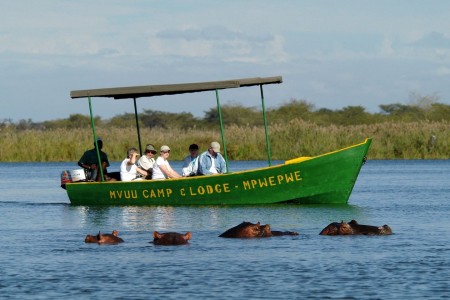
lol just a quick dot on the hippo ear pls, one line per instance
(157, 235)
(115, 233)
(188, 236)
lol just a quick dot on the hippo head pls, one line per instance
(109, 238)
(264, 230)
(245, 230)
(331, 229)
(248, 229)
(345, 229)
(91, 239)
(104, 238)
(385, 229)
(171, 238)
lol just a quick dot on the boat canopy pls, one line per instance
(172, 89)
(135, 92)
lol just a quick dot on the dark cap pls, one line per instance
(193, 147)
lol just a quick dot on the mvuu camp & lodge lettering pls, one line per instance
(207, 189)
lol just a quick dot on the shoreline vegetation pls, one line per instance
(295, 129)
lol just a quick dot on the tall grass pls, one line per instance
(293, 139)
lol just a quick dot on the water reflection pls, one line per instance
(289, 217)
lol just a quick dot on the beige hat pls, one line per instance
(215, 146)
(150, 148)
(165, 148)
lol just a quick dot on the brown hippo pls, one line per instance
(171, 238)
(279, 233)
(267, 232)
(106, 238)
(353, 228)
(250, 230)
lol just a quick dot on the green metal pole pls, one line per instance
(222, 131)
(137, 126)
(95, 139)
(265, 125)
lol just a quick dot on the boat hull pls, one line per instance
(324, 179)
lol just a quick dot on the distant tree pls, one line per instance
(439, 112)
(74, 121)
(325, 116)
(423, 101)
(235, 114)
(354, 115)
(25, 124)
(123, 120)
(293, 109)
(154, 118)
(393, 109)
(401, 112)
(81, 121)
(6, 123)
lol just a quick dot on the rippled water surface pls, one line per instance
(43, 254)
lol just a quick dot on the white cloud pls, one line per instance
(387, 48)
(443, 71)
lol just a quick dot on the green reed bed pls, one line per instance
(417, 140)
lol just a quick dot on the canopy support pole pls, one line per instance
(265, 125)
(222, 131)
(137, 126)
(95, 140)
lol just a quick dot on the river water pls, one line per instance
(43, 254)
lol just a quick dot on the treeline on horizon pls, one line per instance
(416, 131)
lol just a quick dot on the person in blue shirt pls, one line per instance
(190, 162)
(211, 161)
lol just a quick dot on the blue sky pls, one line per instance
(330, 53)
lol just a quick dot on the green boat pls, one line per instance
(323, 179)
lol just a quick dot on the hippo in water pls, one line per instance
(250, 230)
(171, 238)
(353, 228)
(104, 238)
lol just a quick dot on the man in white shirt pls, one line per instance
(128, 169)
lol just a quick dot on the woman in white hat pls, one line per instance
(162, 168)
(146, 162)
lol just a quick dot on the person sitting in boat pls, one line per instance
(190, 162)
(89, 162)
(162, 168)
(147, 161)
(211, 161)
(128, 169)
